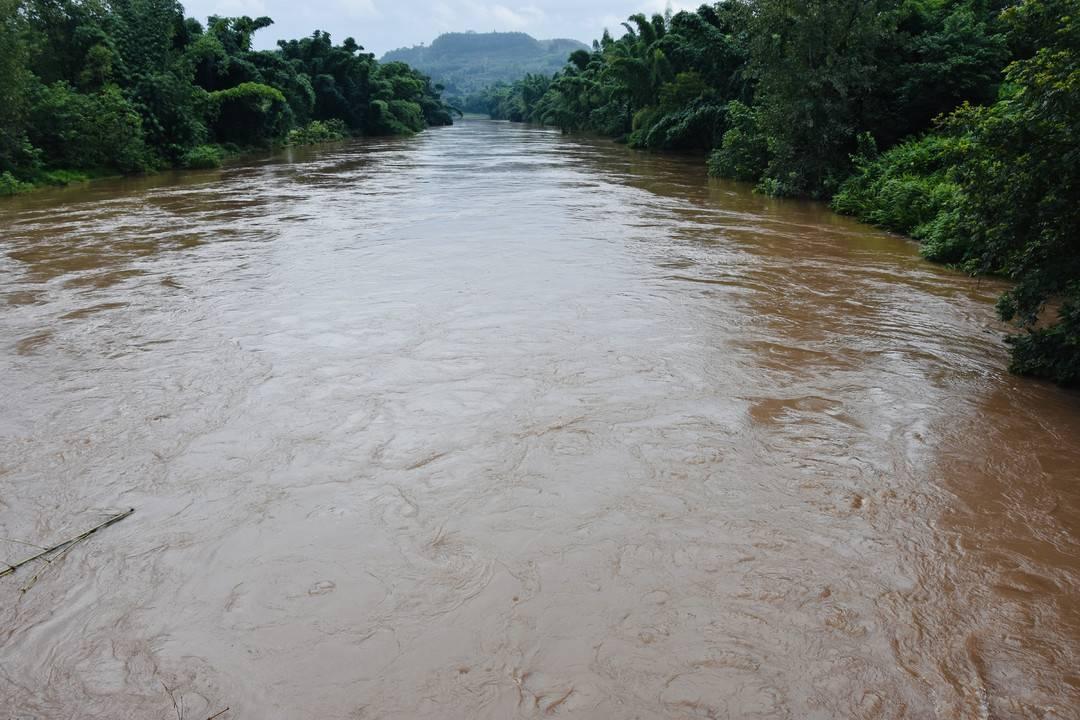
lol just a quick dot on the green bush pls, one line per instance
(119, 88)
(61, 178)
(911, 189)
(318, 131)
(694, 127)
(641, 125)
(86, 131)
(204, 157)
(904, 188)
(947, 239)
(395, 117)
(743, 153)
(408, 113)
(1021, 191)
(1051, 352)
(10, 185)
(251, 114)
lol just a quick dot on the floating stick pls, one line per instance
(66, 544)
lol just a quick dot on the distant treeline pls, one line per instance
(127, 86)
(954, 121)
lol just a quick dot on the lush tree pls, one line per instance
(815, 62)
(997, 189)
(519, 102)
(941, 55)
(250, 113)
(744, 150)
(349, 84)
(663, 84)
(87, 131)
(1020, 200)
(131, 85)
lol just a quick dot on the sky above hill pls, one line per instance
(381, 25)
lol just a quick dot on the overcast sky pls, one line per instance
(381, 25)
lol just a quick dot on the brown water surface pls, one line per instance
(494, 423)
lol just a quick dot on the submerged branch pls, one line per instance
(66, 545)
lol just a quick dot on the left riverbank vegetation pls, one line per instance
(107, 87)
(954, 121)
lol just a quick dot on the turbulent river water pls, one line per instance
(495, 423)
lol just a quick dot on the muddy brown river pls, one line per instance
(493, 423)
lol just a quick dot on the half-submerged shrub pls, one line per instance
(1049, 352)
(88, 131)
(63, 178)
(743, 153)
(318, 131)
(11, 185)
(396, 117)
(204, 157)
(910, 189)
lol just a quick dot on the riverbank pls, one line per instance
(10, 185)
(203, 157)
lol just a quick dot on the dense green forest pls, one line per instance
(465, 63)
(954, 121)
(127, 86)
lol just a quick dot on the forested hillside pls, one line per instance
(954, 121)
(128, 86)
(467, 62)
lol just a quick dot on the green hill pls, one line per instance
(468, 62)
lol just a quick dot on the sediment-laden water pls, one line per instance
(495, 423)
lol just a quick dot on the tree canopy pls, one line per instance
(134, 85)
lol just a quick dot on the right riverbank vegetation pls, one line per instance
(956, 122)
(99, 87)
